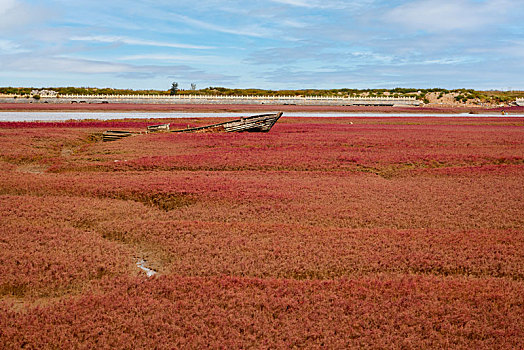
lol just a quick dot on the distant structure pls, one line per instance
(48, 96)
(520, 102)
(44, 93)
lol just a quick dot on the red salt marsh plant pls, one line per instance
(332, 144)
(181, 312)
(249, 227)
(49, 248)
(327, 147)
(298, 252)
(382, 233)
(355, 200)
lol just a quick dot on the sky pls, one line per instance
(269, 44)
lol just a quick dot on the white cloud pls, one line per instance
(131, 41)
(173, 58)
(326, 4)
(6, 5)
(448, 15)
(9, 47)
(506, 49)
(161, 57)
(299, 3)
(62, 64)
(449, 61)
(255, 31)
(72, 66)
(293, 23)
(310, 3)
(15, 14)
(67, 64)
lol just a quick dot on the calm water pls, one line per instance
(62, 116)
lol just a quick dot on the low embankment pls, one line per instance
(213, 100)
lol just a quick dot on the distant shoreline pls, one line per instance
(125, 107)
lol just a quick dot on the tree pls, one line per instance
(193, 86)
(174, 88)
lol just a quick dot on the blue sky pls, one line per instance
(272, 44)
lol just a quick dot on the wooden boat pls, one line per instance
(113, 135)
(255, 123)
(157, 128)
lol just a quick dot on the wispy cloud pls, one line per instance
(299, 3)
(9, 47)
(64, 64)
(140, 42)
(290, 54)
(15, 14)
(6, 6)
(448, 15)
(312, 4)
(162, 57)
(252, 30)
(178, 58)
(51, 64)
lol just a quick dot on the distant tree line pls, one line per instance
(461, 95)
(82, 91)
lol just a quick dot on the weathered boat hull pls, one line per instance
(256, 123)
(114, 135)
(158, 128)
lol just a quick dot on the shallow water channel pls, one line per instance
(149, 272)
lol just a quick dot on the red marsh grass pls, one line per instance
(334, 232)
